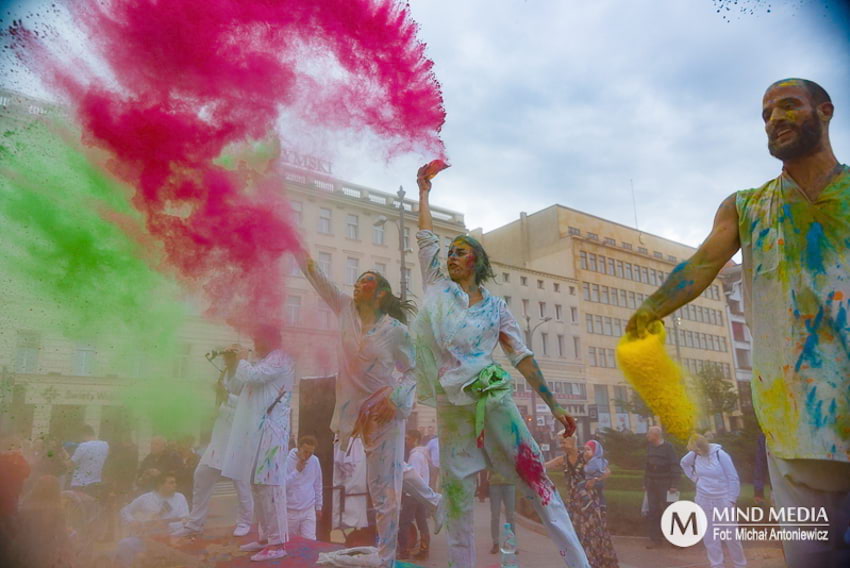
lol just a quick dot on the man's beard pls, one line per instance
(806, 143)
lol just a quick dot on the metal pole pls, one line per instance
(401, 241)
(676, 338)
(528, 332)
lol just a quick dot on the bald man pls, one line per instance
(794, 233)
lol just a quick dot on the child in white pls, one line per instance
(303, 488)
(718, 487)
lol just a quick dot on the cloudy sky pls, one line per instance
(570, 101)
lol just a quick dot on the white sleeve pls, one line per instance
(182, 509)
(404, 354)
(688, 465)
(317, 483)
(510, 336)
(429, 258)
(128, 512)
(264, 371)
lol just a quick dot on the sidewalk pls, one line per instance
(536, 551)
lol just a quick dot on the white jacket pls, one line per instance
(714, 474)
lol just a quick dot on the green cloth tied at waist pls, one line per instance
(493, 383)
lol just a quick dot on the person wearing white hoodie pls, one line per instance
(718, 487)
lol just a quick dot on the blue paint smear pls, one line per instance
(810, 353)
(680, 267)
(515, 432)
(814, 248)
(814, 408)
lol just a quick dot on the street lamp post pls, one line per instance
(529, 334)
(381, 221)
(676, 320)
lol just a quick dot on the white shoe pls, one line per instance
(269, 553)
(241, 530)
(252, 547)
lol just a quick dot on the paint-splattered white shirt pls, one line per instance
(797, 293)
(368, 360)
(461, 339)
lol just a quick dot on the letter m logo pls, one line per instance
(677, 521)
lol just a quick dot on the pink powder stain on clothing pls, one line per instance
(530, 469)
(190, 77)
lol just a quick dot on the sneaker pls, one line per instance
(241, 530)
(269, 553)
(253, 546)
(184, 532)
(440, 515)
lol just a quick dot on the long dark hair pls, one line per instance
(483, 270)
(392, 305)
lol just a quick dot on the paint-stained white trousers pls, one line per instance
(205, 479)
(384, 470)
(510, 450)
(270, 505)
(714, 546)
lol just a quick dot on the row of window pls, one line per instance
(543, 310)
(697, 340)
(635, 272)
(560, 345)
(541, 285)
(600, 395)
(626, 246)
(352, 268)
(693, 312)
(612, 296)
(697, 365)
(29, 345)
(601, 357)
(352, 225)
(558, 387)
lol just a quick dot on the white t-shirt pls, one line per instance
(433, 446)
(419, 462)
(303, 488)
(89, 458)
(152, 506)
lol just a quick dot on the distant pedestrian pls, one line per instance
(718, 487)
(661, 476)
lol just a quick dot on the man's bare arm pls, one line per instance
(689, 279)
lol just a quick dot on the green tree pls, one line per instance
(636, 405)
(719, 395)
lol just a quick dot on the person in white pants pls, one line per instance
(256, 451)
(718, 487)
(375, 387)
(208, 472)
(458, 327)
(303, 488)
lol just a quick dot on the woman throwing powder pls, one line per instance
(457, 330)
(370, 401)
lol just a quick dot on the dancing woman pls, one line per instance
(457, 330)
(370, 401)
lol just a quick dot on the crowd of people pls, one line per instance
(796, 310)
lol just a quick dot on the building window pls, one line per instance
(577, 346)
(627, 246)
(542, 306)
(352, 227)
(406, 238)
(26, 352)
(539, 284)
(378, 234)
(572, 290)
(591, 262)
(582, 260)
(561, 347)
(523, 280)
(325, 316)
(556, 286)
(381, 269)
(585, 291)
(657, 254)
(506, 277)
(325, 220)
(602, 265)
(559, 312)
(297, 212)
(84, 360)
(408, 279)
(545, 338)
(643, 250)
(574, 231)
(588, 319)
(593, 236)
(293, 309)
(672, 258)
(610, 241)
(573, 314)
(324, 261)
(594, 292)
(352, 270)
(508, 301)
(603, 294)
(591, 356)
(525, 307)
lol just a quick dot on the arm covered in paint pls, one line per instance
(326, 289)
(688, 465)
(733, 483)
(692, 277)
(534, 377)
